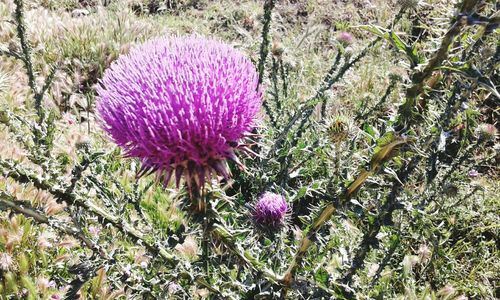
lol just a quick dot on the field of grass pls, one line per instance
(378, 126)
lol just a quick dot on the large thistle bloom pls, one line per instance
(182, 105)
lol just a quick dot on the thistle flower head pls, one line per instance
(181, 105)
(487, 132)
(338, 128)
(345, 38)
(270, 210)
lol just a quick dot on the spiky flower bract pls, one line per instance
(270, 210)
(181, 105)
(339, 127)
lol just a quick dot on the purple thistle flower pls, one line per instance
(181, 105)
(271, 210)
(473, 173)
(345, 38)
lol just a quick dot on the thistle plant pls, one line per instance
(387, 151)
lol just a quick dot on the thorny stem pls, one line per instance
(26, 58)
(264, 51)
(20, 176)
(20, 207)
(328, 77)
(328, 211)
(227, 239)
(450, 171)
(328, 81)
(362, 116)
(26, 50)
(406, 110)
(384, 217)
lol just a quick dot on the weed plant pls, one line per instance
(379, 129)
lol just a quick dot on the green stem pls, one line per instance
(11, 170)
(264, 51)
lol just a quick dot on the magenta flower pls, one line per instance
(181, 105)
(270, 210)
(345, 38)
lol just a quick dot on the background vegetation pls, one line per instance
(384, 146)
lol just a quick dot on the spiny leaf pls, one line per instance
(470, 72)
(395, 40)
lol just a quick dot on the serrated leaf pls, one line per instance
(321, 276)
(395, 40)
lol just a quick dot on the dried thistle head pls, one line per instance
(277, 49)
(338, 128)
(189, 248)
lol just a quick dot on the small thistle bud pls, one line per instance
(270, 210)
(345, 38)
(424, 253)
(450, 190)
(13, 47)
(473, 173)
(277, 49)
(248, 23)
(83, 144)
(4, 117)
(487, 132)
(44, 283)
(173, 287)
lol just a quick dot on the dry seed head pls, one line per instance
(446, 291)
(6, 262)
(339, 128)
(277, 49)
